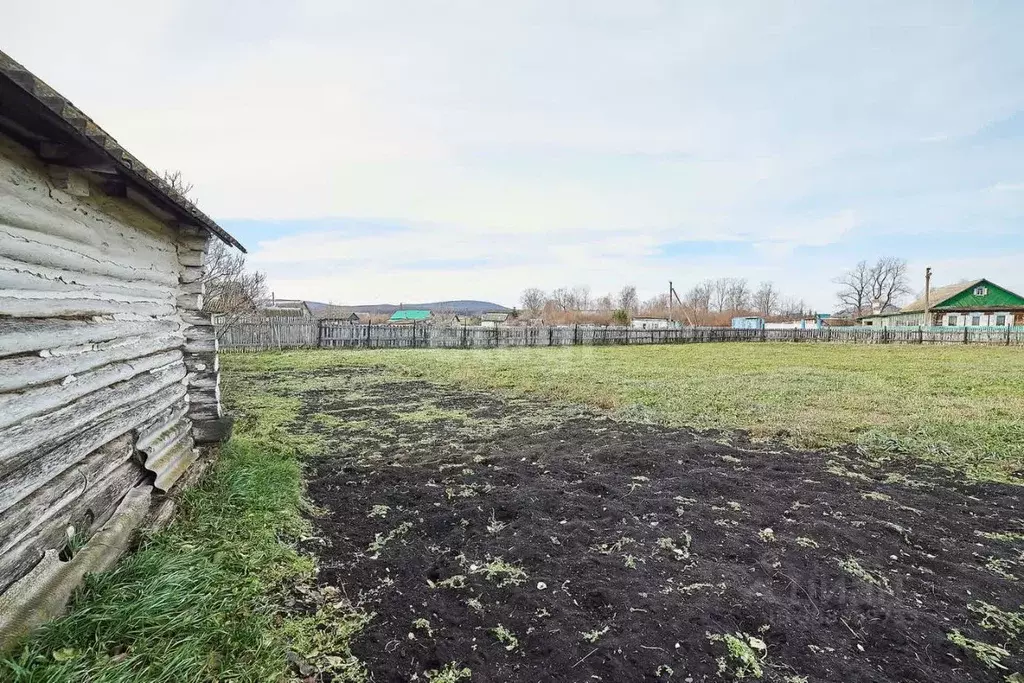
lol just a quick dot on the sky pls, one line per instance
(412, 151)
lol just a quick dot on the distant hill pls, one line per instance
(462, 307)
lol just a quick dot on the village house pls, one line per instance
(979, 303)
(108, 368)
(286, 308)
(494, 319)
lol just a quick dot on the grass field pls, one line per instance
(419, 459)
(962, 406)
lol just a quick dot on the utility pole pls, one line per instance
(927, 294)
(670, 303)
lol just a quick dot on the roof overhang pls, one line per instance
(60, 134)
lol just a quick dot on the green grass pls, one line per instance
(200, 601)
(961, 406)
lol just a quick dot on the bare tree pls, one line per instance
(533, 300)
(629, 301)
(766, 299)
(179, 185)
(889, 282)
(720, 294)
(232, 291)
(604, 303)
(855, 289)
(881, 284)
(561, 299)
(579, 298)
(737, 295)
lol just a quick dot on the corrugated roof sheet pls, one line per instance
(89, 135)
(409, 315)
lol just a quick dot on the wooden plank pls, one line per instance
(26, 440)
(21, 405)
(43, 467)
(24, 335)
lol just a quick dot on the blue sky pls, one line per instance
(398, 151)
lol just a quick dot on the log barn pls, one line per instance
(108, 368)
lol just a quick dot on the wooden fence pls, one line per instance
(284, 333)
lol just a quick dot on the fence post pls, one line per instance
(965, 334)
(575, 334)
(920, 334)
(320, 334)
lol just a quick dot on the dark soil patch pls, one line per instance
(641, 544)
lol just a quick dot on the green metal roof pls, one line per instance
(409, 315)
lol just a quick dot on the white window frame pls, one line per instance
(981, 291)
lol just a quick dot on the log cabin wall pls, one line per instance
(102, 351)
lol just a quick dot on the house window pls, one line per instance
(951, 321)
(980, 291)
(975, 320)
(1000, 320)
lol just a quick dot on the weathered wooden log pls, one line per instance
(212, 431)
(204, 412)
(204, 396)
(202, 362)
(33, 246)
(191, 274)
(201, 346)
(27, 371)
(42, 304)
(23, 335)
(50, 500)
(30, 276)
(43, 466)
(21, 405)
(20, 442)
(191, 258)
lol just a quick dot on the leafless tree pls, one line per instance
(180, 185)
(533, 300)
(579, 298)
(791, 307)
(604, 303)
(766, 299)
(889, 281)
(232, 290)
(561, 299)
(738, 295)
(885, 282)
(719, 294)
(629, 301)
(855, 289)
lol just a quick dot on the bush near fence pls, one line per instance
(283, 333)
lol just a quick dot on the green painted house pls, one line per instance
(980, 303)
(409, 317)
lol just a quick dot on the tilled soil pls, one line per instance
(601, 550)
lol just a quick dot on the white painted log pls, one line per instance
(32, 246)
(20, 336)
(190, 302)
(198, 318)
(43, 465)
(193, 259)
(203, 380)
(201, 346)
(29, 203)
(202, 362)
(49, 501)
(27, 371)
(191, 274)
(20, 441)
(30, 276)
(21, 405)
(198, 287)
(35, 304)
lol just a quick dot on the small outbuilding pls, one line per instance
(108, 366)
(496, 319)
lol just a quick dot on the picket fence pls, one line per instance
(289, 333)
